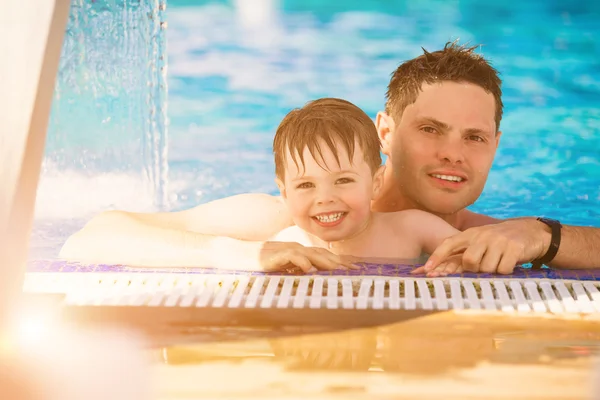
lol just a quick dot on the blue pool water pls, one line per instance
(234, 71)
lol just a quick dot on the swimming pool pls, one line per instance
(234, 72)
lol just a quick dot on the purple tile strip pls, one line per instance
(384, 270)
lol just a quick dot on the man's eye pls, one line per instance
(476, 138)
(429, 129)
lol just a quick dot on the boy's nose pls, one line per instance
(325, 196)
(324, 200)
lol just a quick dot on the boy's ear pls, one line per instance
(281, 187)
(378, 181)
(385, 128)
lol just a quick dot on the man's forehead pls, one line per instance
(457, 104)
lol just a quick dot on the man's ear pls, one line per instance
(385, 128)
(281, 187)
(378, 181)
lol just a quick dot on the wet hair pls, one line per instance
(327, 121)
(454, 63)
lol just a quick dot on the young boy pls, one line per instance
(328, 170)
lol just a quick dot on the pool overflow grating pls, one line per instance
(319, 292)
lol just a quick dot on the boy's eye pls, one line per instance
(304, 185)
(345, 180)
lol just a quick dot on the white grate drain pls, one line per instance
(317, 292)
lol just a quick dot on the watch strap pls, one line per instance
(555, 228)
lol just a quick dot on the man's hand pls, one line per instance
(277, 256)
(495, 248)
(451, 265)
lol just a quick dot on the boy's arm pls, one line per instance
(177, 239)
(169, 239)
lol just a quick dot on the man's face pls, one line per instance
(442, 148)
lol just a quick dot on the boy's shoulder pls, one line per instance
(409, 215)
(411, 220)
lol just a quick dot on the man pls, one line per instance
(440, 131)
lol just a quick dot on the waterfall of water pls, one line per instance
(108, 139)
(156, 165)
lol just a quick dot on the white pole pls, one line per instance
(32, 32)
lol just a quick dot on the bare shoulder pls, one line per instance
(403, 222)
(411, 216)
(469, 219)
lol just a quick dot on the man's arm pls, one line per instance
(176, 239)
(470, 219)
(520, 240)
(579, 246)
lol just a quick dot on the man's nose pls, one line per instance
(451, 150)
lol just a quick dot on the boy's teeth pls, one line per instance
(448, 177)
(329, 217)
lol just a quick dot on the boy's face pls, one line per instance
(332, 203)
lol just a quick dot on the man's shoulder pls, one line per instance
(469, 219)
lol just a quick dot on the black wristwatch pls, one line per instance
(555, 227)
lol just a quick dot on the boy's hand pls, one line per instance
(278, 256)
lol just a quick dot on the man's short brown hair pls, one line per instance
(454, 63)
(330, 121)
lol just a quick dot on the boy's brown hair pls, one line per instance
(331, 121)
(454, 63)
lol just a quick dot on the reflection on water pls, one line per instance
(501, 356)
(425, 346)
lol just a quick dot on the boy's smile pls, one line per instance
(330, 219)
